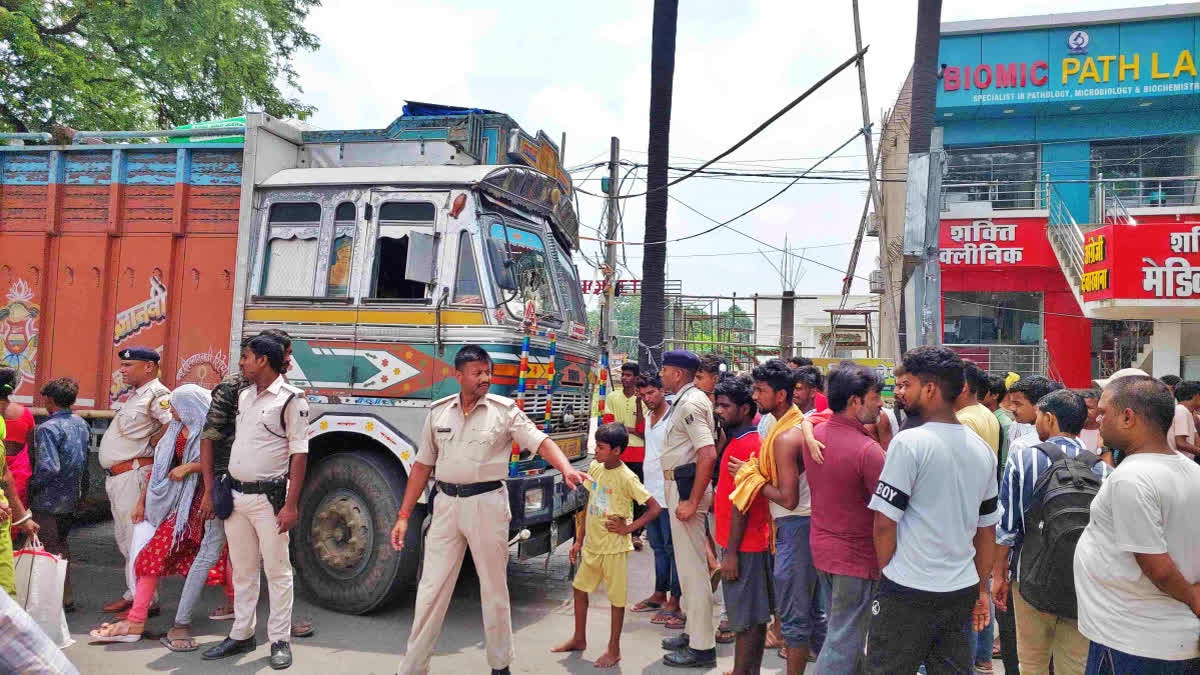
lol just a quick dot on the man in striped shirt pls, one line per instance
(1060, 416)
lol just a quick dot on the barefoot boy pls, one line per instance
(605, 540)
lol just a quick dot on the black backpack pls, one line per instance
(1060, 511)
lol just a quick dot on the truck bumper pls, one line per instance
(545, 506)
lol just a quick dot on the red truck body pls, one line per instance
(90, 242)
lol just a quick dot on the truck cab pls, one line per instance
(382, 252)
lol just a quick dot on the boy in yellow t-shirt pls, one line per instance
(604, 541)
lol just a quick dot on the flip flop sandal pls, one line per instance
(724, 637)
(168, 643)
(97, 636)
(218, 615)
(646, 606)
(676, 622)
(662, 617)
(303, 629)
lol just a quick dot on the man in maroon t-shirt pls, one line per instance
(744, 538)
(842, 546)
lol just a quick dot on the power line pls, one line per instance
(746, 139)
(747, 211)
(756, 239)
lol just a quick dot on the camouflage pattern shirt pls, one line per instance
(221, 424)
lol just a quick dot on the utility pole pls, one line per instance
(610, 249)
(874, 198)
(922, 204)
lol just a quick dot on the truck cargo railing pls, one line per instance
(128, 135)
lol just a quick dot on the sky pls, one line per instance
(583, 69)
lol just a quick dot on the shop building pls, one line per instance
(1070, 218)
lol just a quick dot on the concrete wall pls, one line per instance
(893, 156)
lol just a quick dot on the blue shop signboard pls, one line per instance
(1121, 64)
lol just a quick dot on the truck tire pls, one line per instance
(344, 559)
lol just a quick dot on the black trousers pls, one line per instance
(911, 627)
(1007, 622)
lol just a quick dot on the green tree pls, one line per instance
(127, 64)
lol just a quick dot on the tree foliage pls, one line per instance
(127, 64)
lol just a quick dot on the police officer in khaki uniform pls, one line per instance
(688, 458)
(127, 450)
(467, 442)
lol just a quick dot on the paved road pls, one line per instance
(542, 617)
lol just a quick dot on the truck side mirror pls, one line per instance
(502, 265)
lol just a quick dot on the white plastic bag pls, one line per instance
(41, 576)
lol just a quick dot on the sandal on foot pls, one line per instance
(303, 628)
(222, 613)
(106, 633)
(676, 622)
(646, 606)
(179, 644)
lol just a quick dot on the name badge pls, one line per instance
(443, 430)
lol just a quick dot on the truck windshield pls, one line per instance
(526, 260)
(568, 282)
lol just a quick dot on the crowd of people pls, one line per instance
(172, 460)
(982, 516)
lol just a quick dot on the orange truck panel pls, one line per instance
(105, 247)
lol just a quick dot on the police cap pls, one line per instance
(682, 358)
(138, 354)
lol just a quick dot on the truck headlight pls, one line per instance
(535, 499)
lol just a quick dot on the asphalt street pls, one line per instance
(541, 610)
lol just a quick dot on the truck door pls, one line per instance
(303, 285)
(394, 334)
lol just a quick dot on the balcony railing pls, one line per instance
(1024, 360)
(1114, 198)
(1001, 195)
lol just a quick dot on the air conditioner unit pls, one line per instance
(872, 224)
(875, 281)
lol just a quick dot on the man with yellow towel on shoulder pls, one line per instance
(778, 473)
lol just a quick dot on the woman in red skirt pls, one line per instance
(168, 525)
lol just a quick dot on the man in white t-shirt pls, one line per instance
(935, 508)
(1182, 434)
(1138, 562)
(666, 577)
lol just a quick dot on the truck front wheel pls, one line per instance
(344, 559)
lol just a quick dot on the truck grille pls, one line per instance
(576, 401)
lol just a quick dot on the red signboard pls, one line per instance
(1150, 260)
(997, 243)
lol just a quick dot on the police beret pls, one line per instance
(138, 354)
(681, 358)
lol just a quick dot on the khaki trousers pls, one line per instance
(124, 491)
(1041, 635)
(481, 523)
(253, 534)
(692, 563)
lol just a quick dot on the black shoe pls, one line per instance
(502, 671)
(692, 658)
(678, 642)
(281, 655)
(230, 647)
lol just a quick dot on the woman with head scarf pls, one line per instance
(168, 524)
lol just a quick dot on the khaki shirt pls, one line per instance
(477, 447)
(144, 414)
(262, 447)
(689, 427)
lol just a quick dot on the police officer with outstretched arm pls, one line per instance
(467, 440)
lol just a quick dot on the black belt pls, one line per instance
(467, 489)
(261, 487)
